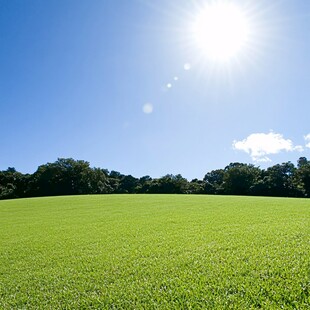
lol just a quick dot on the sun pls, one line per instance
(221, 30)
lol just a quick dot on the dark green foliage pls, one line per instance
(279, 180)
(169, 184)
(13, 184)
(128, 184)
(239, 179)
(303, 176)
(196, 187)
(67, 176)
(214, 182)
(144, 184)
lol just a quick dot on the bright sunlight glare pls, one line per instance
(220, 30)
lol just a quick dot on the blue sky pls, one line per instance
(76, 74)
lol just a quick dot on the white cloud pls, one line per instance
(260, 145)
(307, 139)
(299, 148)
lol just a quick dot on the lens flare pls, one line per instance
(147, 108)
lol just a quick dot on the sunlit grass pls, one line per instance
(154, 252)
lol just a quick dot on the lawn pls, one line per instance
(154, 252)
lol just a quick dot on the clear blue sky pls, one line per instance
(75, 75)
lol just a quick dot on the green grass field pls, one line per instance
(154, 252)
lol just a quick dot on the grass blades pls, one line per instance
(154, 252)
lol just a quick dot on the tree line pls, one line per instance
(67, 176)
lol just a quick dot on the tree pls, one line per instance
(11, 184)
(214, 182)
(196, 186)
(303, 176)
(239, 178)
(302, 161)
(279, 180)
(128, 184)
(169, 184)
(143, 184)
(115, 181)
(66, 176)
(98, 182)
